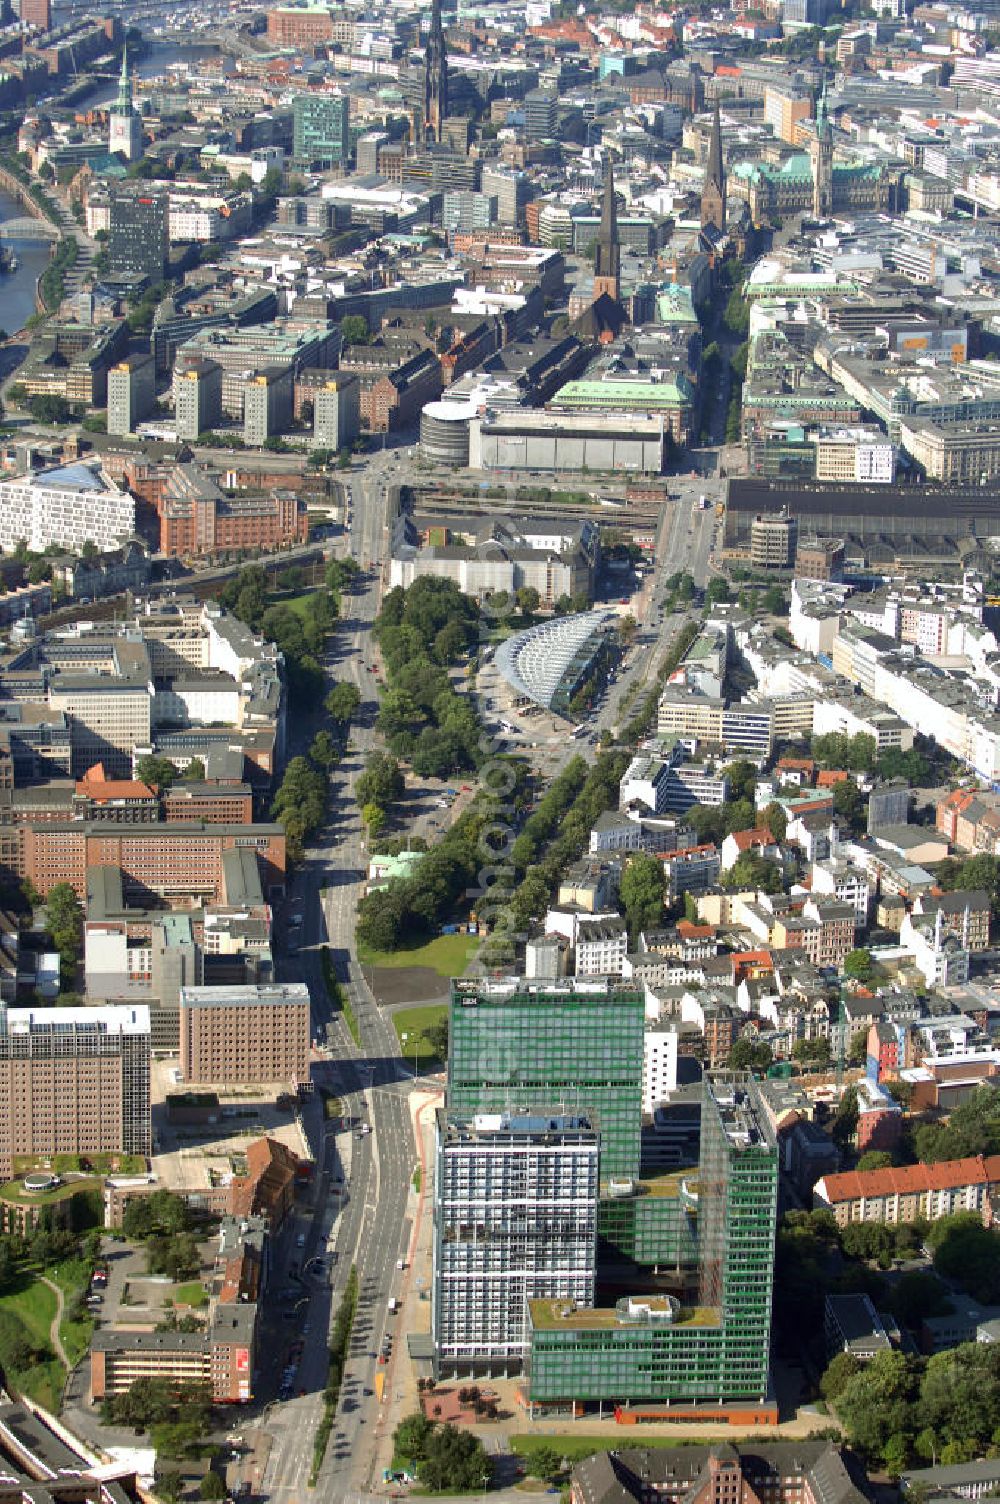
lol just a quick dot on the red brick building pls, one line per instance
(206, 523)
(299, 28)
(168, 860)
(215, 803)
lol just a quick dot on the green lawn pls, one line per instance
(191, 1294)
(73, 1279)
(297, 603)
(575, 1448)
(448, 955)
(35, 1307)
(13, 1190)
(413, 1021)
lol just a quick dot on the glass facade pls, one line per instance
(648, 1228)
(716, 1352)
(515, 1217)
(573, 1046)
(320, 129)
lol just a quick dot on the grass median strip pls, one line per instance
(339, 1343)
(338, 996)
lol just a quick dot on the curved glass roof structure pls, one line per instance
(535, 663)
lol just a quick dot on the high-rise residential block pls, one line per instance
(570, 1046)
(337, 411)
(515, 1218)
(36, 13)
(73, 1081)
(198, 398)
(131, 392)
(267, 404)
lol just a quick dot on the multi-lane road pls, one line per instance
(363, 1180)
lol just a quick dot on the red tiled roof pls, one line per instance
(96, 785)
(903, 1180)
(830, 777)
(745, 839)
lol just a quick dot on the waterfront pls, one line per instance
(17, 289)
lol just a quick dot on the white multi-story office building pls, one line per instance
(515, 1219)
(69, 506)
(659, 1065)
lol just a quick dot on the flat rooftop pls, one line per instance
(551, 1315)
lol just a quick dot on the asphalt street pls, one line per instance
(367, 1222)
(363, 1180)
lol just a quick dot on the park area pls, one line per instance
(423, 1035)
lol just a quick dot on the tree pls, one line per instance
(545, 1462)
(857, 1050)
(323, 750)
(859, 965)
(64, 916)
(752, 871)
(838, 1373)
(436, 1035)
(916, 1295)
(527, 599)
(742, 776)
(195, 771)
(455, 1461)
(342, 702)
(812, 1051)
(157, 772)
(176, 1256)
(848, 803)
(776, 821)
(845, 1122)
(966, 1251)
(750, 1054)
(716, 592)
(411, 1436)
(875, 1159)
(374, 817)
(169, 1485)
(354, 330)
(211, 1487)
(382, 781)
(876, 1405)
(643, 886)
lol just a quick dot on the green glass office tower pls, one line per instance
(573, 1045)
(653, 1349)
(320, 129)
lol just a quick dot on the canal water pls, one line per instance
(17, 289)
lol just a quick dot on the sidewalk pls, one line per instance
(401, 1394)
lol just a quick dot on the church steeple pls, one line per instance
(713, 194)
(821, 158)
(125, 123)
(607, 261)
(435, 77)
(123, 104)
